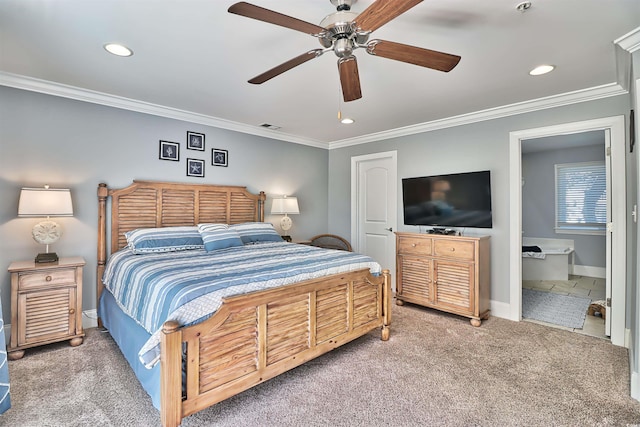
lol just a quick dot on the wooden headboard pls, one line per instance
(148, 204)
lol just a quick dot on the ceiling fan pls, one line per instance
(343, 32)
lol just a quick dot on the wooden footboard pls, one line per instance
(258, 336)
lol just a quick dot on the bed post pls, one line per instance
(261, 200)
(103, 193)
(171, 374)
(386, 304)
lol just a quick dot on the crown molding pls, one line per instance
(79, 94)
(584, 95)
(86, 95)
(630, 41)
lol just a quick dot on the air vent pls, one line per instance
(268, 126)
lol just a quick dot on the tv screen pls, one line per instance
(454, 200)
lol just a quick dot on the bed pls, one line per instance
(251, 337)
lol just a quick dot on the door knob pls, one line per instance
(389, 229)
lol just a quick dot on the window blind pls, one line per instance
(581, 196)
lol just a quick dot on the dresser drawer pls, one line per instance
(454, 249)
(47, 278)
(414, 245)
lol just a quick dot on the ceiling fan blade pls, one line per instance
(413, 55)
(381, 12)
(266, 15)
(286, 66)
(349, 78)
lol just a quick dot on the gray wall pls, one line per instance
(538, 200)
(477, 146)
(76, 145)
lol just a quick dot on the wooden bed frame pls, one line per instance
(252, 337)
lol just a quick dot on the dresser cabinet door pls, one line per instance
(454, 285)
(415, 279)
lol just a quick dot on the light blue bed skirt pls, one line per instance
(130, 337)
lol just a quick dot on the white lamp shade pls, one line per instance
(285, 205)
(43, 202)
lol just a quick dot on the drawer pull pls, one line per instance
(71, 311)
(453, 249)
(48, 278)
(414, 245)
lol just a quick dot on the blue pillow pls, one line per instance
(166, 239)
(218, 236)
(252, 232)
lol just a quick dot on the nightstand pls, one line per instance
(46, 304)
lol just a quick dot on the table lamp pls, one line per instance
(284, 206)
(45, 202)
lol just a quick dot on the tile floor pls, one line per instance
(584, 286)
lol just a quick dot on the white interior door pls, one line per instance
(374, 186)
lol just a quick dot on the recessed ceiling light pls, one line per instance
(347, 121)
(541, 69)
(118, 49)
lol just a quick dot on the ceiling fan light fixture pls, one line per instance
(542, 69)
(118, 49)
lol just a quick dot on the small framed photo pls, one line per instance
(219, 157)
(169, 151)
(195, 141)
(195, 167)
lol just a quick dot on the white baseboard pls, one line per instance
(634, 389)
(89, 320)
(590, 271)
(635, 385)
(501, 309)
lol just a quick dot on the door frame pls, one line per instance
(615, 125)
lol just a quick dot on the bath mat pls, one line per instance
(563, 310)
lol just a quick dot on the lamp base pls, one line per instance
(46, 257)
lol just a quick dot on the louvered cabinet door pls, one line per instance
(414, 279)
(46, 304)
(48, 315)
(454, 286)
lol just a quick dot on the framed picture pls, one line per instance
(219, 157)
(195, 167)
(195, 141)
(169, 150)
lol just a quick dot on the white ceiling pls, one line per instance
(192, 60)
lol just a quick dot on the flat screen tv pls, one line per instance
(453, 200)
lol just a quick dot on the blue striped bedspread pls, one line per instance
(189, 286)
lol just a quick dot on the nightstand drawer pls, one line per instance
(42, 279)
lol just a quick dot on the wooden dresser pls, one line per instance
(46, 304)
(448, 273)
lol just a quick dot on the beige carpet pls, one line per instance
(436, 370)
